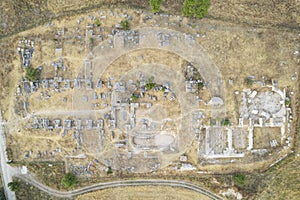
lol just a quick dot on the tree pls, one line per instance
(155, 5)
(32, 74)
(69, 180)
(125, 25)
(14, 186)
(195, 8)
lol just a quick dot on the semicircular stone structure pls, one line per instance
(165, 143)
(165, 39)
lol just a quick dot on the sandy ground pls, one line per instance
(239, 51)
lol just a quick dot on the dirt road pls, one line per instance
(100, 186)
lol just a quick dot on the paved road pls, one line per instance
(6, 170)
(100, 186)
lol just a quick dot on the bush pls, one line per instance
(69, 180)
(92, 41)
(287, 102)
(138, 83)
(249, 81)
(239, 179)
(14, 186)
(32, 74)
(125, 25)
(201, 8)
(109, 170)
(188, 8)
(150, 83)
(135, 97)
(200, 85)
(97, 22)
(9, 153)
(179, 165)
(150, 86)
(155, 5)
(195, 8)
(225, 122)
(2, 194)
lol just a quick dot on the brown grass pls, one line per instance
(143, 192)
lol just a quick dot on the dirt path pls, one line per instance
(114, 184)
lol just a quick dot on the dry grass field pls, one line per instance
(143, 192)
(283, 181)
(242, 37)
(19, 15)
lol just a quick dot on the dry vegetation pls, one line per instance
(258, 13)
(26, 192)
(143, 192)
(49, 173)
(282, 181)
(236, 49)
(19, 15)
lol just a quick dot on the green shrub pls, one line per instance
(155, 5)
(201, 8)
(14, 186)
(150, 83)
(249, 81)
(134, 97)
(125, 25)
(150, 86)
(239, 179)
(287, 102)
(109, 170)
(2, 194)
(195, 8)
(138, 83)
(9, 153)
(69, 180)
(32, 74)
(200, 85)
(92, 40)
(179, 165)
(97, 22)
(225, 122)
(188, 8)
